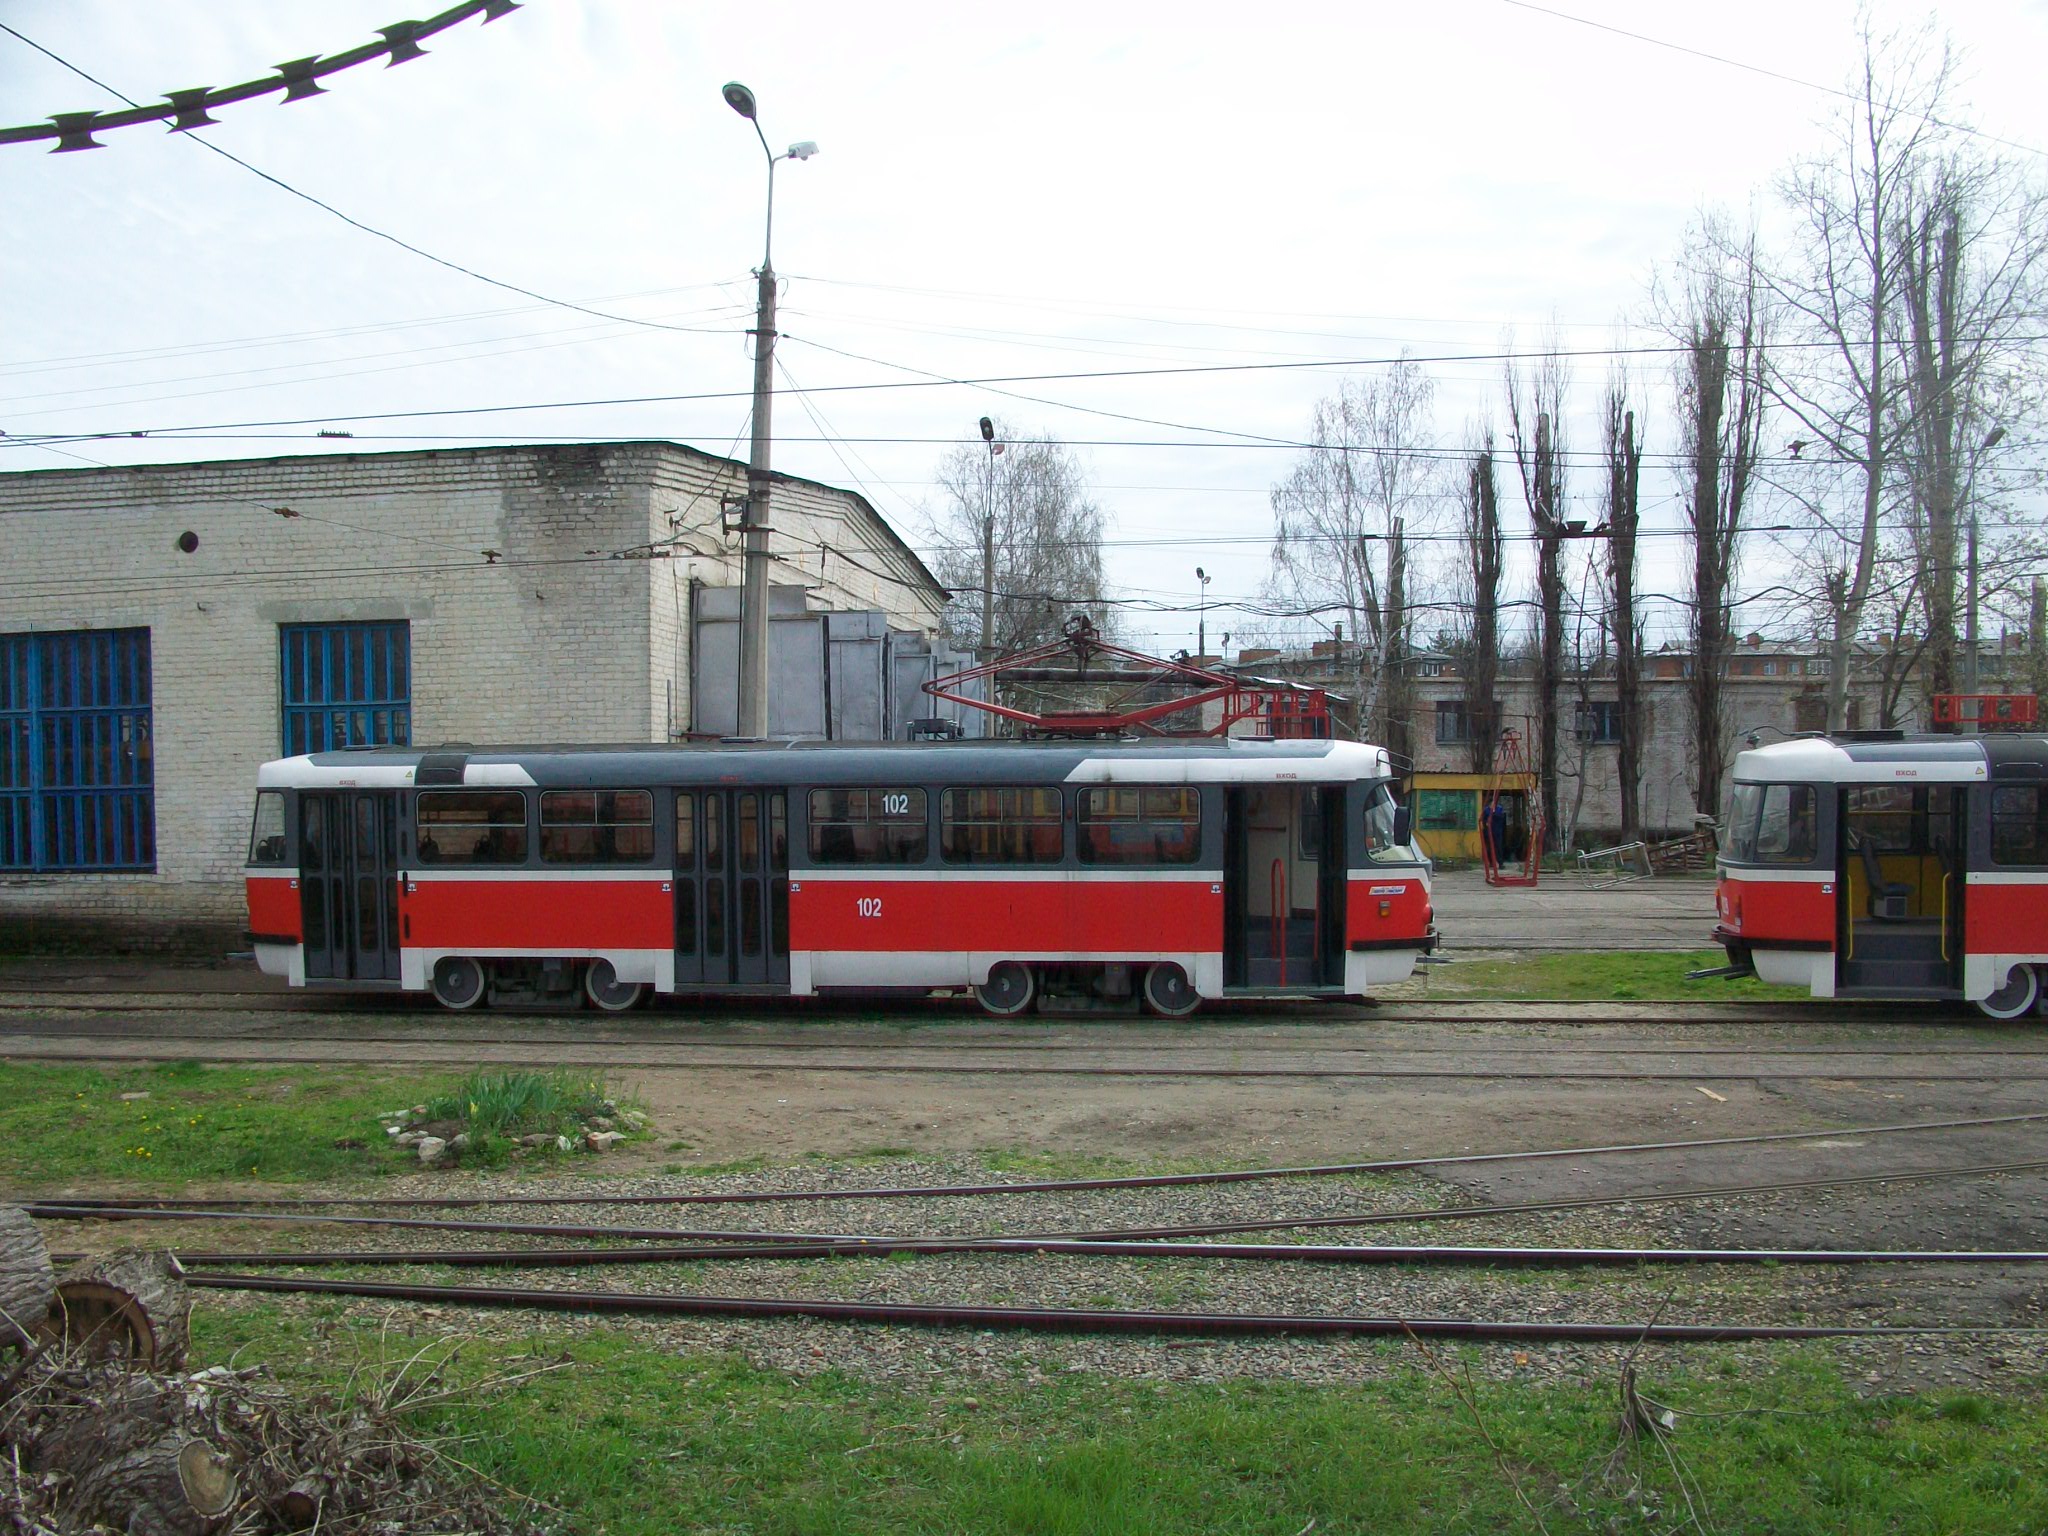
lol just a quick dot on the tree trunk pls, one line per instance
(27, 1281)
(1550, 649)
(130, 1307)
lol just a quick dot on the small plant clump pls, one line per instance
(489, 1116)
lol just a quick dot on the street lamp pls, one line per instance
(753, 680)
(1991, 440)
(1202, 617)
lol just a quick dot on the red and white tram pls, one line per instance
(1874, 864)
(1091, 872)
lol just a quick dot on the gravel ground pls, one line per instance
(2005, 1297)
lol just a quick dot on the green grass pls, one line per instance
(1616, 975)
(634, 1439)
(63, 1125)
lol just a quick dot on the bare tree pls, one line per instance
(1839, 290)
(1047, 543)
(1715, 311)
(1535, 416)
(1485, 559)
(1624, 451)
(1972, 246)
(1343, 518)
(2037, 640)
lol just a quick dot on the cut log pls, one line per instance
(130, 1307)
(170, 1486)
(26, 1280)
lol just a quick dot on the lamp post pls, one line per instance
(753, 680)
(988, 542)
(1202, 617)
(1991, 440)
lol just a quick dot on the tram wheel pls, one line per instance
(1168, 991)
(457, 982)
(602, 986)
(2021, 991)
(1009, 989)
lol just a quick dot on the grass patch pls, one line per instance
(523, 1103)
(65, 1125)
(637, 1440)
(1612, 975)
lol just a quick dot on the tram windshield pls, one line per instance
(1379, 824)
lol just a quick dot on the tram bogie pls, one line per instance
(1880, 865)
(1039, 875)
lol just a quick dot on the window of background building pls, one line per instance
(1597, 721)
(1453, 725)
(345, 685)
(77, 769)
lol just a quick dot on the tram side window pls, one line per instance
(1001, 826)
(1141, 824)
(2019, 825)
(1739, 843)
(1786, 832)
(472, 826)
(266, 836)
(596, 826)
(868, 826)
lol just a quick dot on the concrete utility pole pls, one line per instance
(753, 679)
(1991, 440)
(988, 543)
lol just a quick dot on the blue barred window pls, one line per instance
(346, 685)
(77, 780)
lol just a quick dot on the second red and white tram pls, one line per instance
(1080, 873)
(1887, 866)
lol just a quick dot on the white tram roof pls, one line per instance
(1208, 761)
(1894, 758)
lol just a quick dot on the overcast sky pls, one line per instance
(1054, 189)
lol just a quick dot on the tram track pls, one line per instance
(1083, 1185)
(316, 1051)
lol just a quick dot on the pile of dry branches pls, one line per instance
(102, 1430)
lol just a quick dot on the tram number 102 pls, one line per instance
(868, 906)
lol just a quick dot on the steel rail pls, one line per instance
(157, 1048)
(1056, 1048)
(1061, 1186)
(59, 1211)
(1082, 1320)
(1281, 1253)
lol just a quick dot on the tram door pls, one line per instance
(732, 887)
(1284, 882)
(348, 883)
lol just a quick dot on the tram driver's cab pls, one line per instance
(1877, 865)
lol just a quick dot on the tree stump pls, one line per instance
(27, 1281)
(131, 1307)
(120, 1445)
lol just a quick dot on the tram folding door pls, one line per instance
(731, 887)
(348, 883)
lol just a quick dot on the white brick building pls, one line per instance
(164, 629)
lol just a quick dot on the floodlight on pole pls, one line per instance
(1202, 616)
(753, 669)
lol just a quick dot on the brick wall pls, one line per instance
(553, 640)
